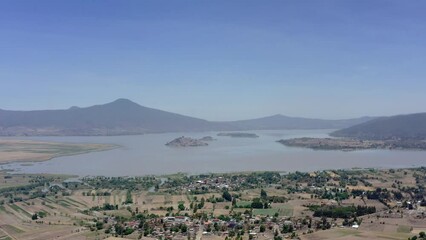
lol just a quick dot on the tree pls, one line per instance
(257, 203)
(181, 207)
(183, 228)
(128, 231)
(263, 194)
(129, 197)
(262, 228)
(201, 204)
(216, 226)
(287, 228)
(99, 225)
(234, 201)
(34, 216)
(227, 196)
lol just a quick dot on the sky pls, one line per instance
(216, 59)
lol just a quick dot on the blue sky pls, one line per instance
(217, 60)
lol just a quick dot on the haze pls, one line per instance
(216, 60)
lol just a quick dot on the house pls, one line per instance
(181, 219)
(169, 219)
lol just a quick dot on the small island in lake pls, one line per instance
(238, 134)
(207, 139)
(349, 144)
(186, 142)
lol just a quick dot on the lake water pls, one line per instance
(147, 154)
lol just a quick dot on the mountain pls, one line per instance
(277, 122)
(124, 117)
(121, 117)
(411, 126)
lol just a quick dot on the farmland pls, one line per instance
(375, 203)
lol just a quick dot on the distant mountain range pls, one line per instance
(404, 127)
(124, 117)
(277, 122)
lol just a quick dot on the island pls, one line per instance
(12, 150)
(351, 144)
(238, 135)
(186, 142)
(207, 139)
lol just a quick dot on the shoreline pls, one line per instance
(40, 151)
(212, 174)
(224, 173)
(350, 144)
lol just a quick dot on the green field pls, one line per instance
(282, 211)
(404, 229)
(243, 203)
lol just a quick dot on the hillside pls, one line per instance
(411, 126)
(278, 121)
(124, 117)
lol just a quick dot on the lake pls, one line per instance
(147, 154)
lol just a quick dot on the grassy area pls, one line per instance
(265, 212)
(282, 211)
(243, 203)
(19, 209)
(346, 233)
(49, 206)
(190, 197)
(63, 204)
(120, 213)
(11, 229)
(286, 211)
(403, 229)
(3, 209)
(70, 202)
(168, 199)
(76, 202)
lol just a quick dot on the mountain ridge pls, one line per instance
(125, 117)
(279, 121)
(406, 126)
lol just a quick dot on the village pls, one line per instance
(363, 203)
